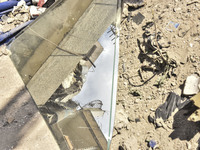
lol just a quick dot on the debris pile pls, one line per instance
(14, 19)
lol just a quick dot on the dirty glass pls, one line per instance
(31, 49)
(80, 113)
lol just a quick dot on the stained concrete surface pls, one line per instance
(21, 125)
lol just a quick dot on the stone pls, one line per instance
(8, 27)
(191, 85)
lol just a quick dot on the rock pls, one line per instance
(191, 85)
(8, 27)
(188, 145)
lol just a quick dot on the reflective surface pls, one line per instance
(101, 83)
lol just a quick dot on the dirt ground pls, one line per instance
(147, 74)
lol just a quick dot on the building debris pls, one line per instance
(134, 3)
(171, 26)
(15, 17)
(36, 11)
(191, 85)
(138, 18)
(171, 106)
(4, 50)
(152, 143)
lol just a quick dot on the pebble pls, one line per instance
(191, 85)
(188, 145)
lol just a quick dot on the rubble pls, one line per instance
(36, 11)
(138, 18)
(191, 85)
(16, 18)
(4, 50)
(171, 106)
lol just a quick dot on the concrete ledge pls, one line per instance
(21, 125)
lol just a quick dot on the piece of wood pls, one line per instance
(95, 20)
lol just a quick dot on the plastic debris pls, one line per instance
(18, 16)
(135, 3)
(173, 101)
(171, 26)
(36, 11)
(4, 50)
(138, 18)
(164, 111)
(6, 35)
(191, 85)
(152, 143)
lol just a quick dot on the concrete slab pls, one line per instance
(21, 125)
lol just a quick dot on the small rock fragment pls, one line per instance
(188, 145)
(191, 85)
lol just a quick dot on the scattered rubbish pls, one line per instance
(191, 85)
(36, 11)
(4, 50)
(188, 145)
(15, 16)
(152, 143)
(8, 34)
(18, 16)
(172, 104)
(21, 7)
(134, 4)
(138, 18)
(171, 26)
(137, 120)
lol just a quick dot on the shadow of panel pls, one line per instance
(21, 125)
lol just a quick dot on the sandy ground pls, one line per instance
(139, 97)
